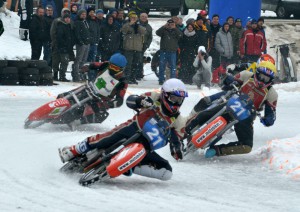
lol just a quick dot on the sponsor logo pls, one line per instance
(57, 111)
(132, 160)
(58, 103)
(209, 131)
(112, 82)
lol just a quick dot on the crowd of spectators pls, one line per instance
(189, 49)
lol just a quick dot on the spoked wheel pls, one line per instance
(94, 175)
(33, 124)
(73, 166)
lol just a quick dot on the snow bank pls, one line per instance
(282, 155)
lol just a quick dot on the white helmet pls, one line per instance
(173, 93)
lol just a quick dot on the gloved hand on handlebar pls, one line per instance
(147, 102)
(176, 150)
(229, 82)
(266, 122)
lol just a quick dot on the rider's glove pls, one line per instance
(147, 102)
(177, 150)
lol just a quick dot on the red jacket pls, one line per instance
(252, 43)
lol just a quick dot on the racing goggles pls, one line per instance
(263, 78)
(176, 99)
(115, 68)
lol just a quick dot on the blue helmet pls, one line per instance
(119, 60)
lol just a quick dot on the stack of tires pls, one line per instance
(25, 72)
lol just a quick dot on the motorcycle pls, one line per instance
(236, 107)
(73, 105)
(120, 158)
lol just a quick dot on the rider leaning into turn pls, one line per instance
(168, 102)
(258, 86)
(108, 85)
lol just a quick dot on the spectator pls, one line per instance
(113, 12)
(202, 31)
(110, 37)
(202, 64)
(37, 33)
(170, 36)
(64, 40)
(94, 29)
(230, 21)
(180, 24)
(252, 43)
(57, 6)
(54, 49)
(133, 38)
(74, 9)
(100, 17)
(261, 27)
(1, 27)
(248, 23)
(188, 50)
(236, 34)
(190, 21)
(224, 44)
(47, 44)
(203, 14)
(214, 29)
(120, 20)
(147, 42)
(83, 39)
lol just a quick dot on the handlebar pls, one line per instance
(285, 44)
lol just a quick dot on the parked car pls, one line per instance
(283, 8)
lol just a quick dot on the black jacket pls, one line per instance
(94, 28)
(110, 37)
(64, 37)
(37, 29)
(82, 32)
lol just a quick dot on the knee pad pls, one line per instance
(150, 171)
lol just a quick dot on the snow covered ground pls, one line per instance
(267, 179)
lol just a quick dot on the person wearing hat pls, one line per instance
(83, 40)
(64, 39)
(248, 23)
(202, 31)
(214, 29)
(261, 27)
(202, 63)
(169, 37)
(253, 43)
(236, 34)
(133, 39)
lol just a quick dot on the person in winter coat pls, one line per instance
(214, 29)
(133, 40)
(261, 27)
(53, 34)
(37, 33)
(170, 36)
(147, 42)
(261, 95)
(64, 34)
(110, 37)
(94, 29)
(168, 101)
(188, 45)
(224, 44)
(47, 44)
(83, 40)
(202, 32)
(253, 43)
(74, 10)
(202, 64)
(236, 34)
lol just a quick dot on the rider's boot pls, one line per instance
(69, 152)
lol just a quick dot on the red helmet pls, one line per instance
(266, 57)
(203, 13)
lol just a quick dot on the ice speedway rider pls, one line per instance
(258, 86)
(168, 102)
(109, 84)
